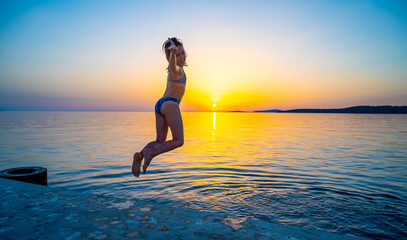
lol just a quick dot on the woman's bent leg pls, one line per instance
(174, 120)
(162, 131)
(161, 126)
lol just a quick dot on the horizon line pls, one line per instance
(111, 110)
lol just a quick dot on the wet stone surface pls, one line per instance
(29, 211)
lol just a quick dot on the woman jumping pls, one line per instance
(167, 112)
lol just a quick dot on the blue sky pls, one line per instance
(106, 55)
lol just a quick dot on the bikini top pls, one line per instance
(182, 80)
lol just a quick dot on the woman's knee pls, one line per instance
(180, 142)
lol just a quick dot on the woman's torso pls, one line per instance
(175, 87)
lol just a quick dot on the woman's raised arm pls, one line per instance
(173, 58)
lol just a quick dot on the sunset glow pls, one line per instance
(86, 55)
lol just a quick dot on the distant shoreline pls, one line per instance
(355, 109)
(385, 109)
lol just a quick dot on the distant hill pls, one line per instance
(355, 109)
(273, 110)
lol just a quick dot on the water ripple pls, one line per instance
(344, 173)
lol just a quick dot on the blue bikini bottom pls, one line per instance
(161, 101)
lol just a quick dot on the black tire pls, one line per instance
(36, 175)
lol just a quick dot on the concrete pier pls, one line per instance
(30, 211)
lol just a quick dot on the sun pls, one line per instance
(214, 105)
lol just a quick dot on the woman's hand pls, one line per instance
(172, 48)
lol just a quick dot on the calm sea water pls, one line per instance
(343, 173)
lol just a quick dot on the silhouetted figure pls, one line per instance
(167, 112)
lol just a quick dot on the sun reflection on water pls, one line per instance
(264, 164)
(213, 133)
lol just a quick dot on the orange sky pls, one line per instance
(242, 55)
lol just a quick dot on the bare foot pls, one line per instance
(147, 159)
(136, 164)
